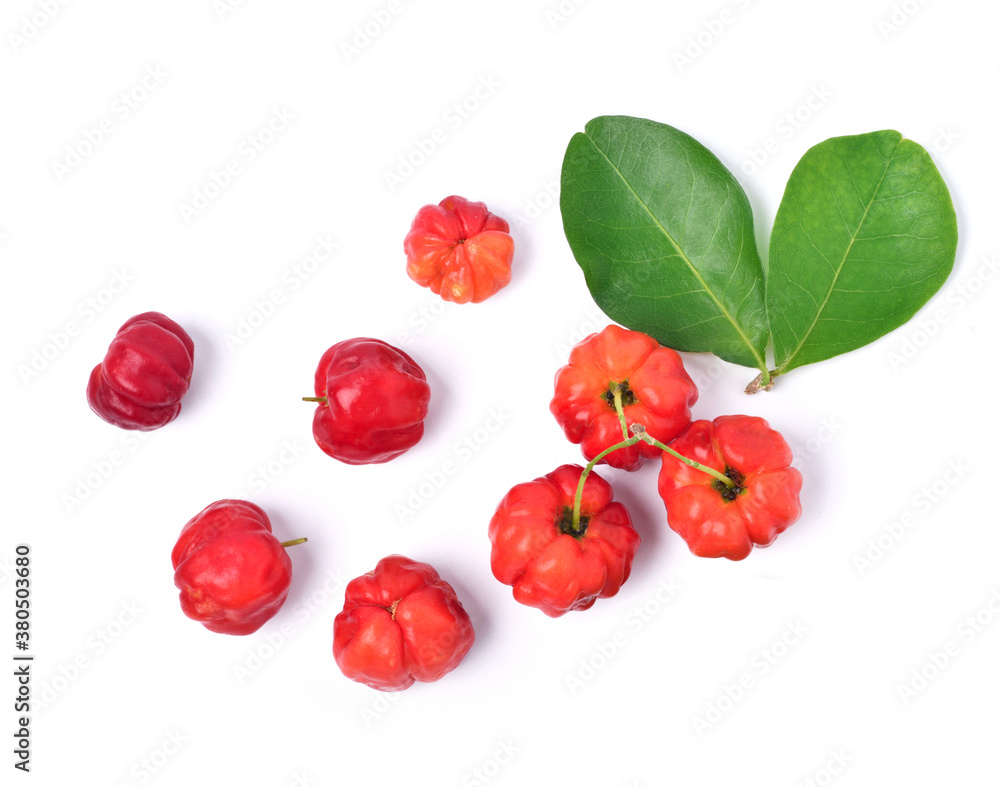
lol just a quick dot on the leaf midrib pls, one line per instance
(833, 283)
(746, 339)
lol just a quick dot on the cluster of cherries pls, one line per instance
(727, 484)
(560, 540)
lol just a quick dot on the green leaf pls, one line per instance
(664, 235)
(865, 234)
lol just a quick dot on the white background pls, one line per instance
(129, 691)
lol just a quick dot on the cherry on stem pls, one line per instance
(639, 433)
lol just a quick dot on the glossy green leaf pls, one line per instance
(865, 234)
(664, 235)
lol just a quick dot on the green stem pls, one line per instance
(640, 431)
(293, 542)
(638, 434)
(578, 499)
(620, 409)
(319, 399)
